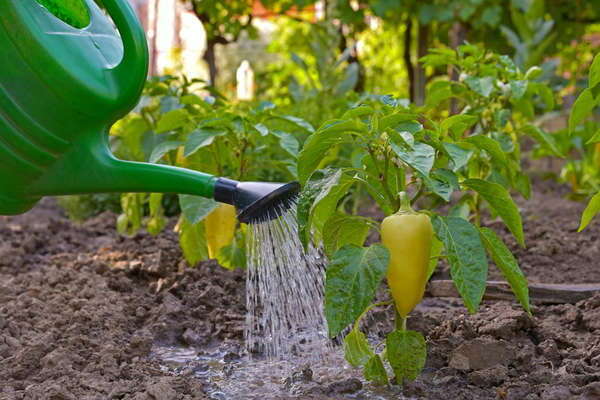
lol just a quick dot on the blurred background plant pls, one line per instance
(469, 61)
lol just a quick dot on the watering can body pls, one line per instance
(61, 88)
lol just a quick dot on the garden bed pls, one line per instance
(87, 314)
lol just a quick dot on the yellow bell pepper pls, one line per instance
(408, 236)
(220, 228)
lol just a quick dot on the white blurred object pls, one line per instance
(320, 10)
(245, 81)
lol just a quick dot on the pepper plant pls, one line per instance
(404, 157)
(582, 109)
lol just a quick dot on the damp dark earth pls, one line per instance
(88, 314)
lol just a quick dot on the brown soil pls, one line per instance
(81, 308)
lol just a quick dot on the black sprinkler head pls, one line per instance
(257, 201)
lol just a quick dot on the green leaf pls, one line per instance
(518, 89)
(352, 279)
(234, 255)
(298, 122)
(196, 208)
(436, 251)
(547, 141)
(442, 182)
(200, 138)
(461, 209)
(393, 120)
(523, 185)
(594, 78)
(502, 203)
(305, 201)
(533, 73)
(595, 138)
(525, 107)
(156, 221)
(357, 350)
(358, 112)
(466, 256)
(459, 155)
(341, 229)
(262, 129)
(172, 120)
(133, 210)
(590, 212)
(458, 124)
(491, 146)
(406, 353)
(492, 15)
(162, 149)
(508, 265)
(483, 86)
(437, 92)
(411, 127)
(582, 108)
(321, 142)
(333, 188)
(512, 38)
(288, 142)
(546, 94)
(420, 158)
(375, 372)
(192, 241)
(193, 99)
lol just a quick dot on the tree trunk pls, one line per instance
(177, 26)
(457, 37)
(420, 78)
(408, 59)
(353, 58)
(211, 61)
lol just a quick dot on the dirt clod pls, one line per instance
(481, 354)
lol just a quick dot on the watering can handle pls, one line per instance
(135, 48)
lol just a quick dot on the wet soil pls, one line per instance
(84, 314)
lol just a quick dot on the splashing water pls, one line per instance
(284, 292)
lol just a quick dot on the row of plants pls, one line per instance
(457, 159)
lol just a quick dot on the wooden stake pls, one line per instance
(539, 293)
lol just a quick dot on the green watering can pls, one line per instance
(61, 89)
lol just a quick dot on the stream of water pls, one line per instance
(284, 292)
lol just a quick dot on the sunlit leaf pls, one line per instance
(162, 149)
(172, 120)
(500, 200)
(406, 353)
(340, 230)
(375, 372)
(352, 279)
(196, 208)
(466, 256)
(356, 348)
(582, 108)
(508, 265)
(590, 212)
